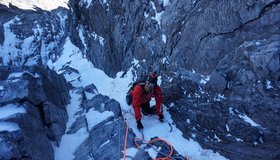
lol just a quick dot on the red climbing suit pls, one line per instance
(140, 96)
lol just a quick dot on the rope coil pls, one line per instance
(168, 157)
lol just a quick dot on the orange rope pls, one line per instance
(125, 140)
(140, 139)
(156, 139)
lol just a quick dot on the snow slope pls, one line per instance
(116, 89)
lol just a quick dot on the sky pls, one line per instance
(43, 4)
(114, 88)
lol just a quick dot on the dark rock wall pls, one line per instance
(199, 33)
(106, 139)
(125, 30)
(203, 32)
(236, 43)
(45, 118)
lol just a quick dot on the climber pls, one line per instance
(141, 96)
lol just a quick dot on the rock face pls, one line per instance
(191, 34)
(36, 98)
(205, 32)
(219, 62)
(115, 31)
(106, 139)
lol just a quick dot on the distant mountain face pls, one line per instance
(30, 37)
(219, 60)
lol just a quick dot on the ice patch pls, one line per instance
(82, 37)
(238, 140)
(165, 2)
(104, 143)
(10, 109)
(227, 127)
(131, 152)
(98, 38)
(87, 2)
(258, 43)
(163, 37)
(268, 84)
(8, 126)
(157, 17)
(94, 117)
(249, 120)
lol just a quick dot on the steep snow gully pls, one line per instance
(116, 89)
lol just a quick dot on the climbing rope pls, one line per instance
(149, 143)
(119, 140)
(126, 135)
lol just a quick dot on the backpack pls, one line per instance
(129, 92)
(141, 82)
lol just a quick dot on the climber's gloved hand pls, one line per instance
(160, 117)
(139, 125)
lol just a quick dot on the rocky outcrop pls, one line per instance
(220, 126)
(221, 110)
(116, 32)
(33, 105)
(106, 139)
(237, 111)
